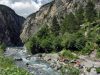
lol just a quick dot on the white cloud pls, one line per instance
(24, 7)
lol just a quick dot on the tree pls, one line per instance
(55, 28)
(79, 14)
(43, 32)
(90, 12)
(70, 24)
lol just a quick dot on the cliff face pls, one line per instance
(10, 26)
(56, 8)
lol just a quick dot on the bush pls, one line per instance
(33, 45)
(46, 45)
(98, 70)
(73, 71)
(89, 47)
(90, 12)
(98, 53)
(57, 44)
(7, 67)
(70, 24)
(43, 32)
(2, 48)
(75, 41)
(13, 71)
(55, 27)
(68, 54)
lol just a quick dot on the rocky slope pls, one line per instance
(55, 9)
(10, 26)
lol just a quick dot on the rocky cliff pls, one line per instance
(55, 9)
(10, 26)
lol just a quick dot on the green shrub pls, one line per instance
(89, 47)
(90, 12)
(7, 67)
(75, 41)
(98, 53)
(57, 46)
(68, 54)
(2, 48)
(13, 71)
(98, 70)
(79, 14)
(70, 24)
(43, 32)
(73, 71)
(55, 27)
(46, 45)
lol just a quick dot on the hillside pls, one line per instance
(10, 26)
(61, 25)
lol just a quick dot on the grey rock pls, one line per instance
(55, 9)
(10, 26)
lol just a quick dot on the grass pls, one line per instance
(98, 53)
(68, 54)
(98, 70)
(69, 70)
(2, 48)
(73, 71)
(7, 67)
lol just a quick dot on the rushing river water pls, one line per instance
(33, 64)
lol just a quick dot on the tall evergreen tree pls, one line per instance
(79, 14)
(90, 12)
(70, 24)
(55, 28)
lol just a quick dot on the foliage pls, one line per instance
(90, 12)
(79, 31)
(55, 28)
(75, 41)
(7, 67)
(2, 48)
(98, 53)
(79, 14)
(70, 70)
(13, 71)
(69, 24)
(43, 32)
(67, 54)
(98, 70)
(73, 71)
(89, 47)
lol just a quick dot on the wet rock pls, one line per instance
(18, 59)
(93, 71)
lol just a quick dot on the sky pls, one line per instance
(24, 7)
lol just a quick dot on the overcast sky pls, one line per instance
(24, 7)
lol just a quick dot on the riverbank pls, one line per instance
(7, 66)
(53, 63)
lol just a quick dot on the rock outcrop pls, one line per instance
(10, 26)
(55, 9)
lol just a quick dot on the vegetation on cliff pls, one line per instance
(79, 31)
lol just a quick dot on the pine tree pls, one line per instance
(79, 14)
(90, 12)
(70, 24)
(55, 28)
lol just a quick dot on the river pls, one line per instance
(31, 63)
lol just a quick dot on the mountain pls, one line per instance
(63, 24)
(56, 9)
(10, 26)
